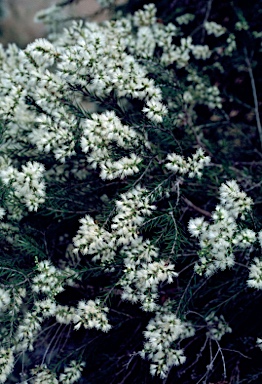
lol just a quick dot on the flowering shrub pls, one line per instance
(118, 150)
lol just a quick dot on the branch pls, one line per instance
(254, 91)
(200, 210)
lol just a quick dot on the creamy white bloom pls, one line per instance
(217, 326)
(145, 16)
(192, 166)
(155, 110)
(42, 375)
(255, 274)
(72, 372)
(5, 299)
(218, 240)
(90, 314)
(161, 333)
(6, 363)
(213, 28)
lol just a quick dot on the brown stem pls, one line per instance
(198, 209)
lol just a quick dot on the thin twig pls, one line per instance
(223, 359)
(208, 10)
(209, 368)
(176, 233)
(254, 91)
(198, 209)
(53, 338)
(233, 350)
(199, 355)
(184, 293)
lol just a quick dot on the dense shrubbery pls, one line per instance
(130, 174)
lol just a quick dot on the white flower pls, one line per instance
(197, 226)
(42, 375)
(245, 238)
(155, 110)
(235, 201)
(145, 16)
(27, 331)
(161, 332)
(214, 28)
(2, 213)
(259, 343)
(255, 274)
(218, 239)
(6, 363)
(90, 315)
(217, 327)
(192, 165)
(64, 314)
(201, 51)
(5, 299)
(42, 52)
(72, 372)
(260, 238)
(185, 18)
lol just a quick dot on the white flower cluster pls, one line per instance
(201, 52)
(218, 239)
(213, 28)
(242, 25)
(42, 53)
(46, 307)
(217, 326)
(5, 299)
(192, 166)
(16, 296)
(55, 134)
(72, 372)
(231, 45)
(237, 203)
(90, 314)
(95, 241)
(42, 375)
(2, 213)
(100, 63)
(98, 133)
(27, 331)
(41, 86)
(200, 92)
(6, 363)
(142, 274)
(178, 54)
(49, 280)
(259, 343)
(145, 16)
(27, 185)
(255, 274)
(142, 271)
(110, 68)
(185, 18)
(155, 110)
(161, 332)
(64, 314)
(131, 209)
